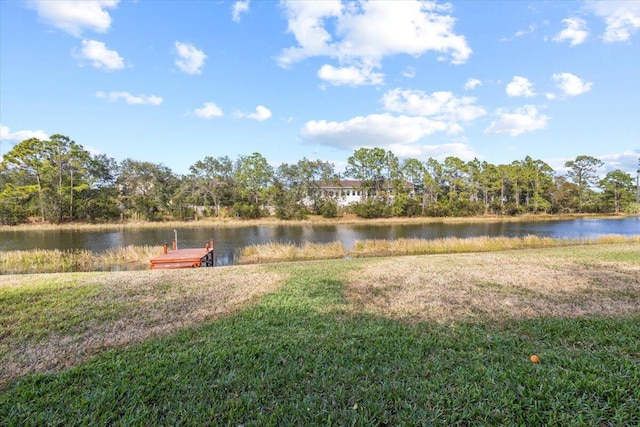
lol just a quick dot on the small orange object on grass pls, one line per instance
(534, 359)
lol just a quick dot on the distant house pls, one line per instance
(347, 192)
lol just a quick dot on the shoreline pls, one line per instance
(137, 257)
(310, 221)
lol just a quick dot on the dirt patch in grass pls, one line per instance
(43, 331)
(496, 286)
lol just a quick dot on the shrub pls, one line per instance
(246, 210)
(372, 209)
(513, 209)
(437, 209)
(12, 213)
(632, 208)
(403, 205)
(465, 207)
(291, 211)
(329, 209)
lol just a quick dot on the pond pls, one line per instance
(229, 240)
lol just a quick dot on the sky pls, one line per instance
(173, 82)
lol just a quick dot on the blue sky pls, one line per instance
(174, 81)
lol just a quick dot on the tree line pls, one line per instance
(57, 180)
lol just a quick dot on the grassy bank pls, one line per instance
(438, 340)
(137, 257)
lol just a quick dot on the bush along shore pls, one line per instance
(137, 257)
(439, 340)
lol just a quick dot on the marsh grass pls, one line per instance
(321, 347)
(57, 261)
(45, 261)
(129, 256)
(378, 247)
(272, 252)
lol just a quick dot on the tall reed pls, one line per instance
(272, 252)
(62, 261)
(369, 248)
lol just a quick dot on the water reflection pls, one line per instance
(229, 240)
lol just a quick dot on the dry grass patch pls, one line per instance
(523, 284)
(272, 252)
(51, 322)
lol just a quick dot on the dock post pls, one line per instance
(173, 245)
(164, 247)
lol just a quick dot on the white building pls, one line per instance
(348, 192)
(345, 192)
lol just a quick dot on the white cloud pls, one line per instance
(520, 86)
(621, 17)
(575, 31)
(419, 115)
(626, 161)
(99, 55)
(73, 16)
(361, 34)
(306, 22)
(93, 150)
(130, 99)
(21, 135)
(530, 29)
(521, 120)
(190, 59)
(442, 106)
(571, 85)
(351, 76)
(208, 110)
(409, 72)
(239, 8)
(262, 113)
(521, 33)
(375, 130)
(438, 152)
(557, 164)
(472, 84)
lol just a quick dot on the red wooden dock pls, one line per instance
(184, 258)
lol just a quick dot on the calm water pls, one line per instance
(229, 240)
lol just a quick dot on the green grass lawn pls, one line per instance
(309, 354)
